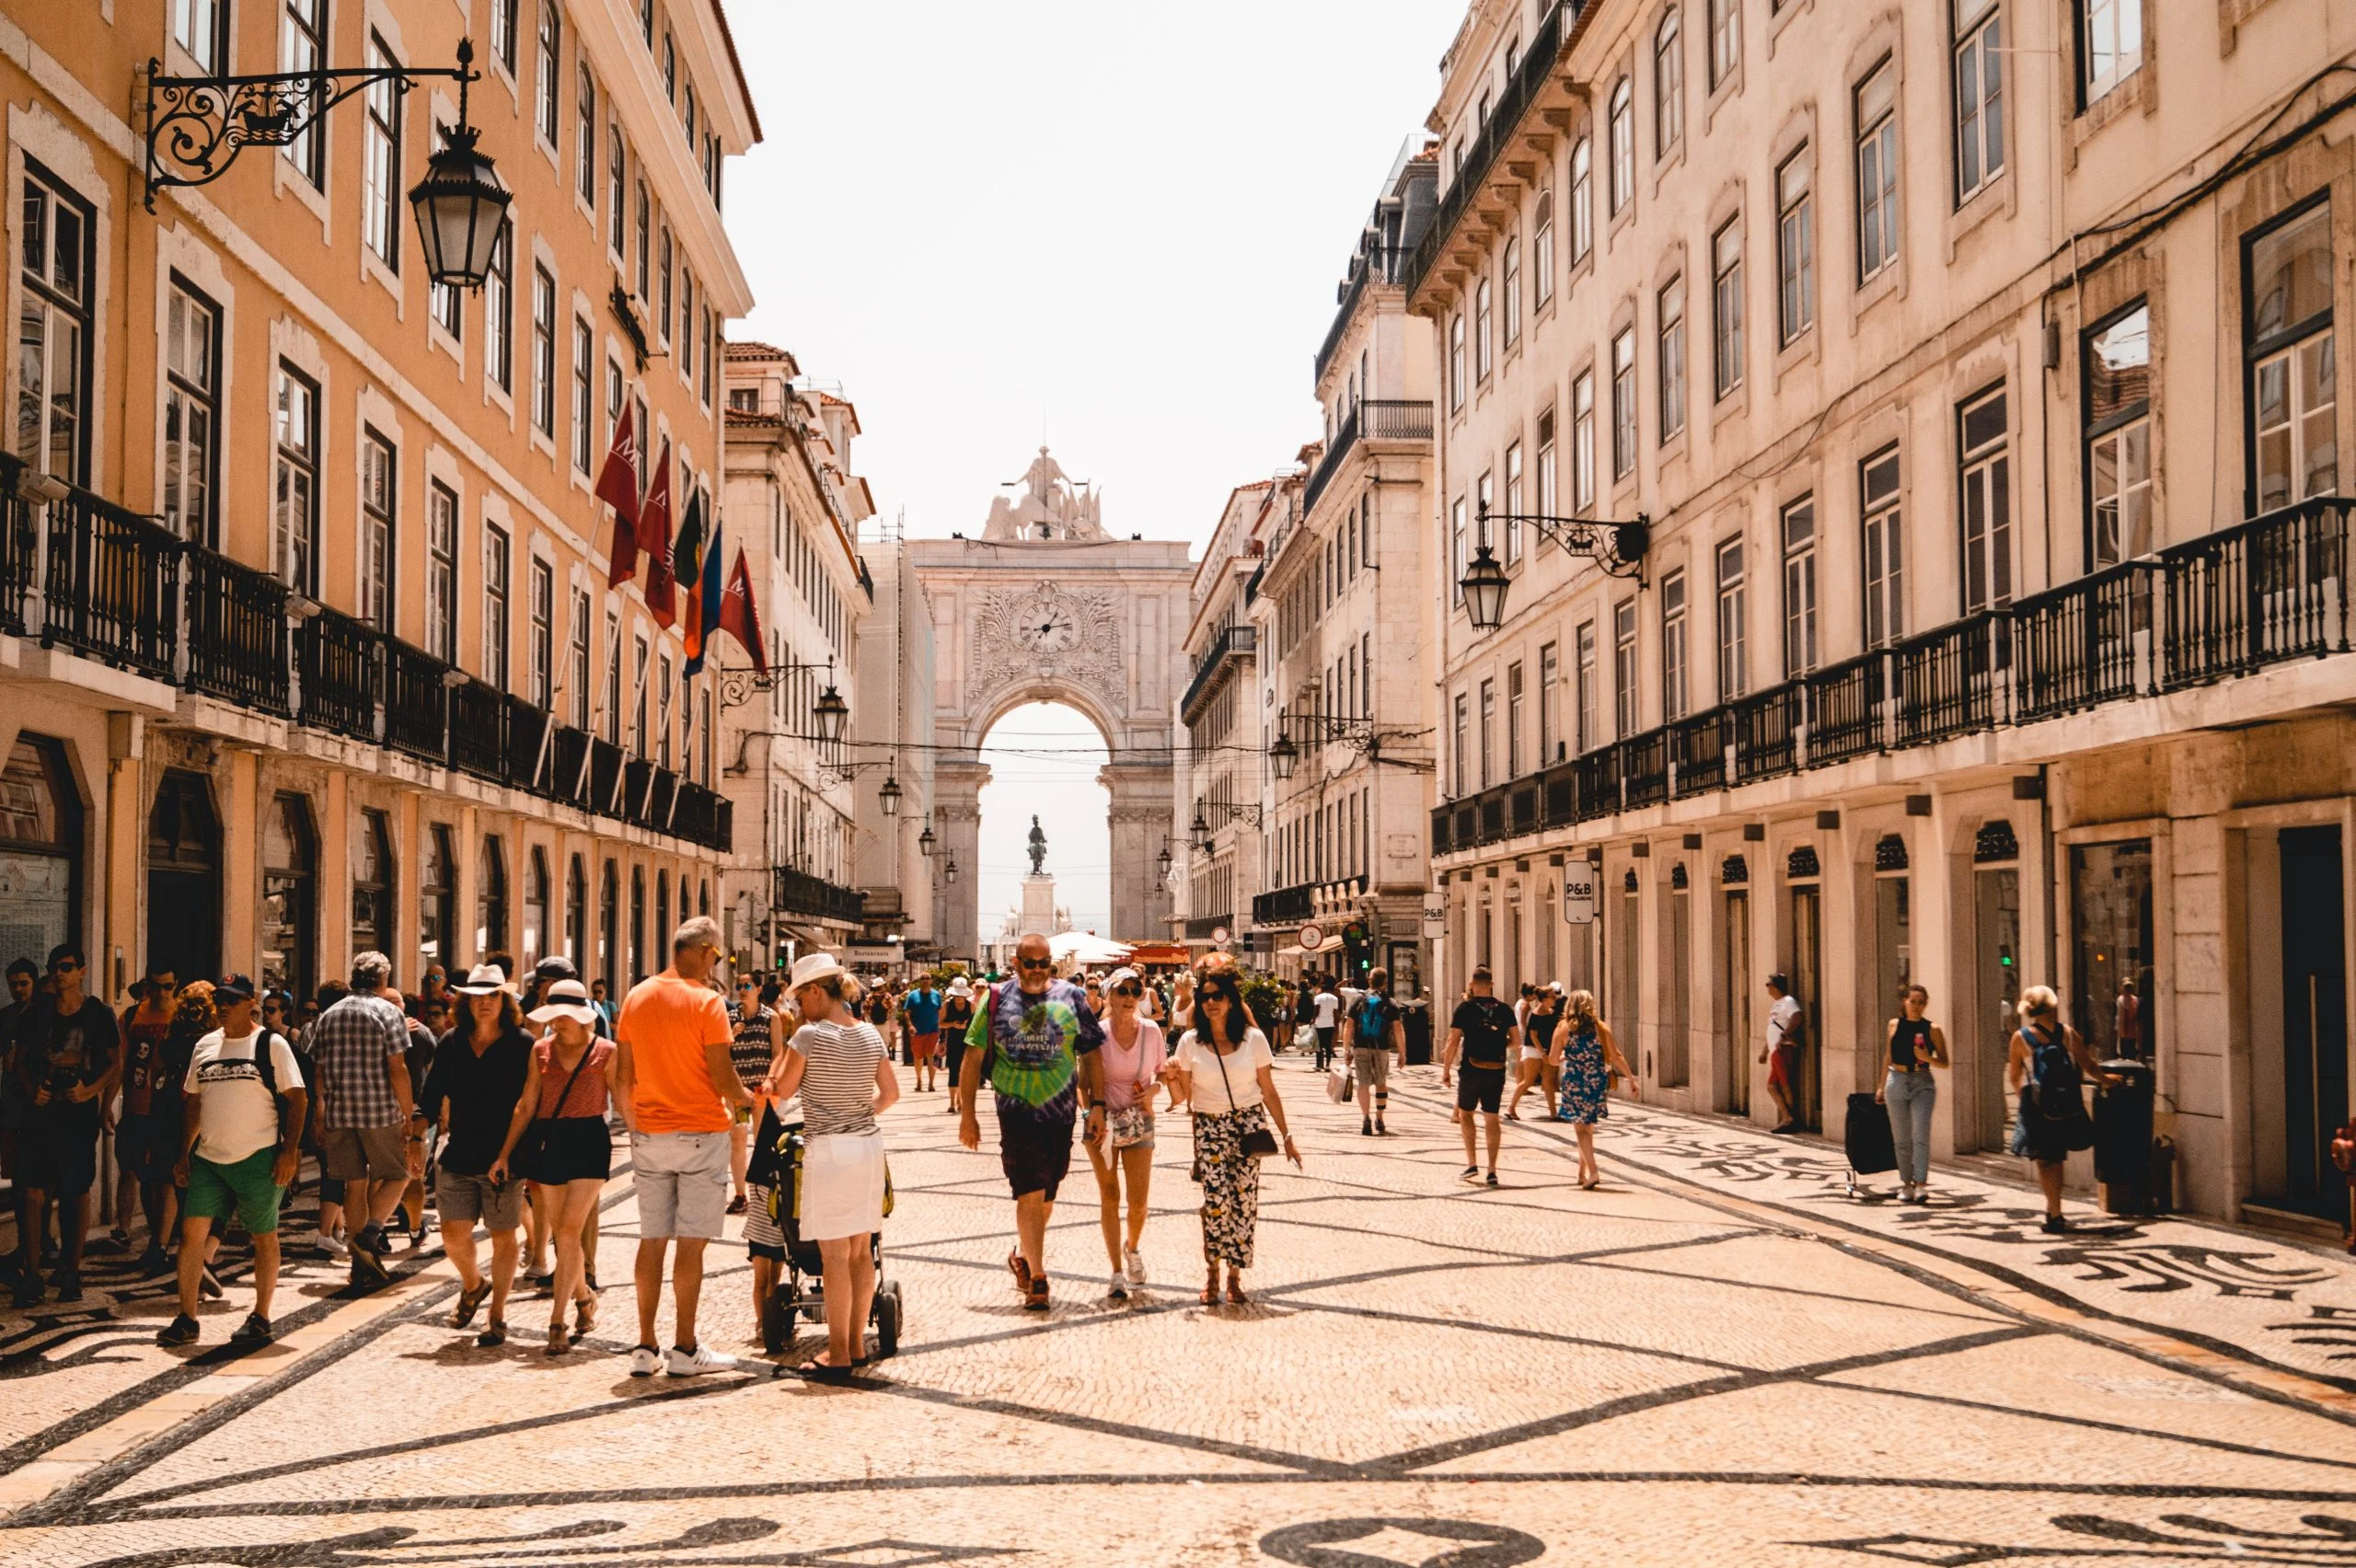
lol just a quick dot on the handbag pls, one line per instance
(1339, 1086)
(533, 1146)
(1128, 1127)
(1258, 1142)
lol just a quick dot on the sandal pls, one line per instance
(823, 1371)
(493, 1335)
(1235, 1291)
(469, 1303)
(1034, 1298)
(560, 1341)
(1020, 1268)
(585, 1318)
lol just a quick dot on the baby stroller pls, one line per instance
(801, 1288)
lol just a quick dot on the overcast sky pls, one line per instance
(1119, 224)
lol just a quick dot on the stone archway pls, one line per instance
(1047, 606)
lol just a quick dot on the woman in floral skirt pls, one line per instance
(1225, 1071)
(1588, 1058)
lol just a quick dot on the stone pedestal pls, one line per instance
(1038, 905)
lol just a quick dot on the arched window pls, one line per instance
(636, 924)
(437, 901)
(1669, 86)
(576, 915)
(609, 945)
(40, 848)
(372, 877)
(490, 900)
(290, 921)
(184, 876)
(535, 906)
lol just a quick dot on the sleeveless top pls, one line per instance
(590, 1094)
(838, 1076)
(1912, 1035)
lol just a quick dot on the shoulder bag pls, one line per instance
(1258, 1142)
(533, 1146)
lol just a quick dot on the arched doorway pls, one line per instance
(1046, 760)
(609, 929)
(636, 924)
(41, 850)
(662, 927)
(184, 877)
(290, 898)
(535, 906)
(576, 915)
(437, 901)
(490, 900)
(373, 874)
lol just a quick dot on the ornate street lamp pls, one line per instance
(1162, 861)
(1284, 756)
(1199, 827)
(949, 872)
(829, 713)
(888, 797)
(925, 841)
(460, 205)
(1484, 587)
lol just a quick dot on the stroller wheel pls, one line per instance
(777, 1320)
(887, 1318)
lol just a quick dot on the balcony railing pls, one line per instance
(2272, 589)
(638, 792)
(1497, 135)
(1285, 906)
(236, 633)
(1374, 419)
(799, 893)
(1202, 926)
(1232, 643)
(122, 589)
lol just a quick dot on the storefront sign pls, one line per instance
(1578, 893)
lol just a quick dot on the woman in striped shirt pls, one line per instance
(840, 1069)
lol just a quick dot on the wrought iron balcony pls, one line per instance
(2262, 591)
(1202, 926)
(478, 730)
(799, 893)
(1372, 420)
(111, 591)
(417, 705)
(1497, 133)
(343, 663)
(236, 633)
(1285, 906)
(1228, 645)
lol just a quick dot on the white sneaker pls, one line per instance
(680, 1364)
(1117, 1286)
(1136, 1266)
(642, 1361)
(332, 1246)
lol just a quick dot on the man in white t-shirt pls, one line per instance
(1786, 1035)
(1328, 1020)
(240, 1144)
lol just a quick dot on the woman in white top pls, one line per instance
(841, 1069)
(1225, 1071)
(1133, 1057)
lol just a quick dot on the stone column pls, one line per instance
(1142, 796)
(957, 815)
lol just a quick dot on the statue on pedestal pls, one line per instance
(1038, 849)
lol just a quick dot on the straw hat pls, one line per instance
(811, 967)
(565, 998)
(484, 980)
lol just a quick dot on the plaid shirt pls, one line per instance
(352, 1045)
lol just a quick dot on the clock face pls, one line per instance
(1046, 623)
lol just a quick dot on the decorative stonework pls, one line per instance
(1047, 632)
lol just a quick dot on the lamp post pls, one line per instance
(925, 841)
(1485, 586)
(830, 713)
(1283, 758)
(888, 797)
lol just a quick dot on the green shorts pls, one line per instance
(243, 1188)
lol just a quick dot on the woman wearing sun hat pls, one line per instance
(838, 1066)
(569, 1153)
(956, 1015)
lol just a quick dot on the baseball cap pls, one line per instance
(234, 989)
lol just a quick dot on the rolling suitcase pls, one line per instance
(1871, 1148)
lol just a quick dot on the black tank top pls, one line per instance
(1912, 1034)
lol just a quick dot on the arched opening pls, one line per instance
(184, 877)
(373, 874)
(490, 900)
(437, 901)
(576, 915)
(290, 898)
(608, 929)
(535, 906)
(1044, 759)
(41, 850)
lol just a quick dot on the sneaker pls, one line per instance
(643, 1361)
(153, 1261)
(736, 1204)
(696, 1362)
(332, 1247)
(1117, 1288)
(1136, 1261)
(2055, 1224)
(368, 1248)
(1034, 1298)
(254, 1330)
(1472, 1173)
(181, 1329)
(1492, 1179)
(1365, 1127)
(69, 1286)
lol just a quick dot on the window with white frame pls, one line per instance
(1623, 667)
(584, 136)
(1673, 690)
(191, 410)
(2110, 45)
(577, 659)
(1795, 246)
(1588, 714)
(1734, 622)
(1513, 503)
(617, 192)
(498, 310)
(1670, 307)
(1456, 361)
(550, 86)
(1483, 342)
(2289, 361)
(302, 48)
(1668, 86)
(1876, 102)
(442, 571)
(1726, 40)
(202, 29)
(294, 489)
(1511, 282)
(1464, 760)
(1550, 714)
(645, 240)
(543, 686)
(503, 27)
(585, 397)
(1549, 491)
(1582, 198)
(1979, 95)
(1884, 554)
(1542, 251)
(1484, 506)
(495, 567)
(1458, 557)
(1488, 733)
(1725, 307)
(380, 185)
(1985, 496)
(543, 350)
(379, 495)
(1623, 403)
(1798, 524)
(1623, 144)
(1583, 442)
(2117, 364)
(1513, 720)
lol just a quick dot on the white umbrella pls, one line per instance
(1086, 949)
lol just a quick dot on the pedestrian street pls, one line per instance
(1715, 1357)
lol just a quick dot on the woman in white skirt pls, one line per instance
(843, 1073)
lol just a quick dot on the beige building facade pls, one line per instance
(304, 629)
(1971, 368)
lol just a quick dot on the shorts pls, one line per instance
(1373, 1066)
(682, 1181)
(1034, 1150)
(58, 1154)
(365, 1153)
(764, 1237)
(241, 1187)
(927, 1046)
(462, 1200)
(573, 1148)
(146, 1148)
(1479, 1089)
(1783, 1068)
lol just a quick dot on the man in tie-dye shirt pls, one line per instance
(1034, 1040)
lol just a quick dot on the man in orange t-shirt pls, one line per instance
(677, 1091)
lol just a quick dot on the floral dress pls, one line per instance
(1585, 1093)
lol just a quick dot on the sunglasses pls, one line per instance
(63, 966)
(1128, 991)
(1034, 963)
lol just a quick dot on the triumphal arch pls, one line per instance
(1045, 605)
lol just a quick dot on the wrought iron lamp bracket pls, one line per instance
(1618, 548)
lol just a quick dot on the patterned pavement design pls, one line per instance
(1717, 1357)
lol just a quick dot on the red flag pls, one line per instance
(739, 618)
(617, 487)
(654, 532)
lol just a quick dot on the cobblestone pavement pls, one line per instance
(1716, 1358)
